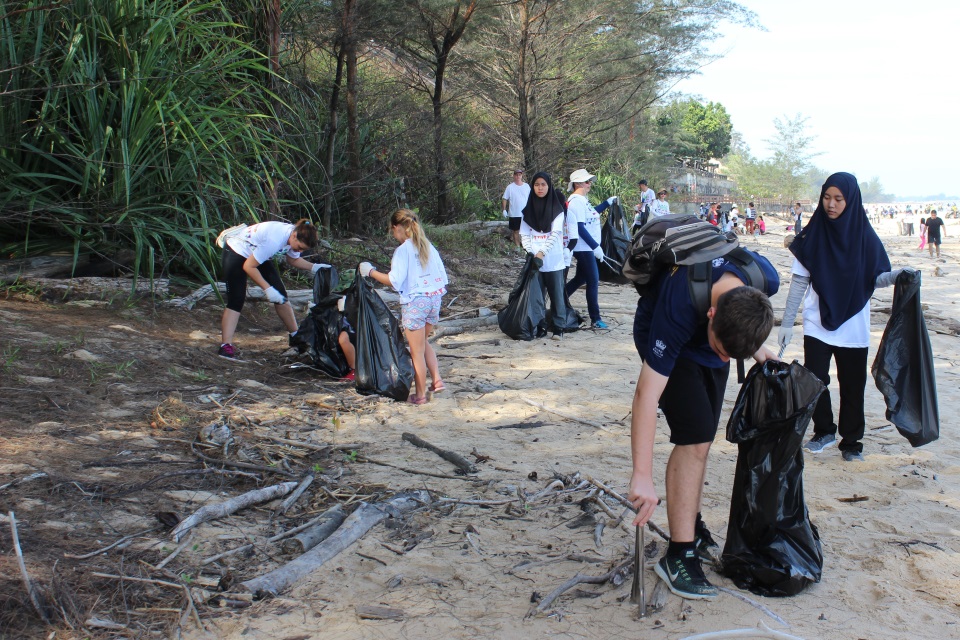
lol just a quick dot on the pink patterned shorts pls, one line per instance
(420, 311)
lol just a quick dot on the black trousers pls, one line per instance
(553, 283)
(852, 379)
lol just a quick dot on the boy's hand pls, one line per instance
(643, 497)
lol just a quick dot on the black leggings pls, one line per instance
(236, 278)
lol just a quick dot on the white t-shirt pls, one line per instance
(647, 197)
(411, 279)
(660, 208)
(263, 241)
(855, 332)
(580, 210)
(550, 243)
(516, 196)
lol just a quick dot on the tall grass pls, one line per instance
(143, 125)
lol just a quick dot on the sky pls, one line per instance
(879, 82)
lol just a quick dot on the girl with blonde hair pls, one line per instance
(418, 275)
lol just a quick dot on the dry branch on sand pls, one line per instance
(222, 509)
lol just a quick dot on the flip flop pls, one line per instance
(437, 386)
(412, 399)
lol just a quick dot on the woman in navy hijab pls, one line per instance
(839, 261)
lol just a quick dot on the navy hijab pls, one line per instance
(844, 256)
(541, 212)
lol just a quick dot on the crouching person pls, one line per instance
(686, 360)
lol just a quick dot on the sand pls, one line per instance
(891, 566)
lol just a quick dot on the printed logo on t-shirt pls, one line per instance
(658, 348)
(718, 262)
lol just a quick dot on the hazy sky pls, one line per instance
(879, 81)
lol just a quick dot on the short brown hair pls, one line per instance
(742, 321)
(306, 233)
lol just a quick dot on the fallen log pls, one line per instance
(353, 528)
(223, 509)
(316, 534)
(454, 458)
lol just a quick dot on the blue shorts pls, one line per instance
(421, 311)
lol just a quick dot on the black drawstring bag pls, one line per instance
(320, 330)
(772, 548)
(383, 365)
(525, 309)
(615, 242)
(903, 368)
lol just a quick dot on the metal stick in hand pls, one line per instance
(643, 596)
(637, 568)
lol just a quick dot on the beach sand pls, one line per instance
(891, 564)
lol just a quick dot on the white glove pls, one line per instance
(598, 252)
(341, 304)
(611, 200)
(274, 296)
(365, 269)
(505, 214)
(567, 257)
(319, 265)
(785, 335)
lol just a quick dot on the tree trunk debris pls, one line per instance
(454, 458)
(215, 511)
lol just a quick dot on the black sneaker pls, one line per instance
(707, 548)
(228, 351)
(684, 576)
(852, 456)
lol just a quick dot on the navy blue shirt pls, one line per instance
(667, 326)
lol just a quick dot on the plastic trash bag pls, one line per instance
(772, 548)
(572, 320)
(903, 367)
(615, 241)
(320, 329)
(525, 310)
(383, 364)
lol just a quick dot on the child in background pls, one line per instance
(418, 275)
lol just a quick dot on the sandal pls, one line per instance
(437, 386)
(412, 399)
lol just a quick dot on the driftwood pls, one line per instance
(293, 497)
(353, 528)
(574, 581)
(318, 532)
(626, 503)
(32, 476)
(384, 463)
(222, 509)
(373, 612)
(479, 228)
(272, 539)
(32, 590)
(110, 546)
(454, 458)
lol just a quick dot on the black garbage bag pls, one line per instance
(383, 365)
(903, 368)
(320, 329)
(573, 319)
(772, 548)
(525, 309)
(615, 242)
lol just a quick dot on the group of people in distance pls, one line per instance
(685, 354)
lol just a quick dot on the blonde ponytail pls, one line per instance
(411, 225)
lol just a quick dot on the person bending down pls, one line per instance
(686, 361)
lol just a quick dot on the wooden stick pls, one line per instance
(32, 476)
(108, 547)
(314, 447)
(176, 552)
(293, 497)
(454, 458)
(162, 583)
(223, 509)
(568, 416)
(241, 465)
(306, 540)
(27, 584)
(383, 463)
(626, 503)
(574, 581)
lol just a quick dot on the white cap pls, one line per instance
(580, 175)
